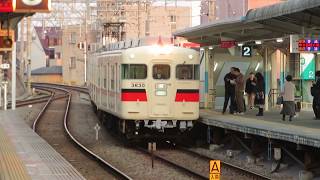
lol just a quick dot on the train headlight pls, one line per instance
(132, 56)
(190, 56)
(161, 86)
(161, 93)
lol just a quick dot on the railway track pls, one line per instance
(240, 170)
(174, 164)
(67, 94)
(182, 167)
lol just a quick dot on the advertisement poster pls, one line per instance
(307, 62)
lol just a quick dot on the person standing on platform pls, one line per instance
(260, 93)
(250, 89)
(289, 107)
(239, 90)
(229, 84)
(315, 92)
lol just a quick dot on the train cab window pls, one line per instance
(133, 71)
(161, 71)
(196, 72)
(187, 72)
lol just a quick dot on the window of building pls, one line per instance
(72, 62)
(173, 18)
(161, 71)
(133, 71)
(187, 72)
(73, 37)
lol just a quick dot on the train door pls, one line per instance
(160, 97)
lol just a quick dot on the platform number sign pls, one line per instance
(246, 51)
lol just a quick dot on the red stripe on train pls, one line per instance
(133, 96)
(187, 97)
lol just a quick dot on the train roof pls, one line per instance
(149, 50)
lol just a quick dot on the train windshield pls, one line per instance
(134, 71)
(187, 72)
(161, 71)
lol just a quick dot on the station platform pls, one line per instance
(25, 155)
(303, 129)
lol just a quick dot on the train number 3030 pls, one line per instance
(139, 85)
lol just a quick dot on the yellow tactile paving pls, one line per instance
(11, 167)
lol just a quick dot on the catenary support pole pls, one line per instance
(13, 80)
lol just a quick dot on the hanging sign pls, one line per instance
(308, 66)
(6, 6)
(29, 6)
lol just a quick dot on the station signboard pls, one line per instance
(6, 6)
(29, 6)
(300, 44)
(307, 66)
(5, 66)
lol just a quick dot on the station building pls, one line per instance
(267, 31)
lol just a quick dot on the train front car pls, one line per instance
(160, 90)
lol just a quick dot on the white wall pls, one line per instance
(38, 56)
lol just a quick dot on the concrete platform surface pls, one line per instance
(26, 155)
(303, 129)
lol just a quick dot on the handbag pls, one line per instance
(279, 100)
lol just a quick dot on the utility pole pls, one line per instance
(14, 75)
(86, 42)
(29, 41)
(22, 52)
(138, 19)
(147, 33)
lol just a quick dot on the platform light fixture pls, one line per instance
(240, 44)
(257, 67)
(279, 40)
(201, 49)
(258, 42)
(210, 47)
(215, 67)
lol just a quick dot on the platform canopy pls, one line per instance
(270, 22)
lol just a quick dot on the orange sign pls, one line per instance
(215, 170)
(28, 6)
(6, 6)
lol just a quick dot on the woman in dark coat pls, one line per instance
(260, 93)
(250, 89)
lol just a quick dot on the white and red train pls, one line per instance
(145, 91)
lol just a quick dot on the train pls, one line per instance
(145, 90)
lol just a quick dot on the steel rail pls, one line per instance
(174, 164)
(114, 170)
(225, 163)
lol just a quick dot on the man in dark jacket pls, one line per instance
(229, 84)
(315, 92)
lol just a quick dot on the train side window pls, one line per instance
(112, 77)
(188, 72)
(133, 71)
(196, 72)
(184, 72)
(104, 77)
(161, 71)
